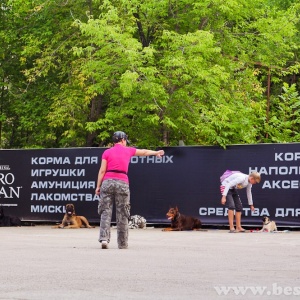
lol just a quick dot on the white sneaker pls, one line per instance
(104, 244)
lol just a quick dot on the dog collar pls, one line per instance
(177, 216)
(268, 223)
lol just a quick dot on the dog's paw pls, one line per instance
(167, 229)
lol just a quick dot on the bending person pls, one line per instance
(231, 181)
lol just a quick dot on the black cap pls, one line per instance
(119, 135)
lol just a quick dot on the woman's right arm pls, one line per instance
(145, 152)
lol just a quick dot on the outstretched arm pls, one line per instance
(145, 152)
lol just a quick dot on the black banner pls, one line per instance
(35, 185)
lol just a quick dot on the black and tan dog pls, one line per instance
(6, 221)
(181, 222)
(71, 220)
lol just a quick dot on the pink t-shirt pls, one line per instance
(118, 158)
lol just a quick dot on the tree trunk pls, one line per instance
(95, 110)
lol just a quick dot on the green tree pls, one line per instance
(206, 72)
(284, 123)
(182, 79)
(40, 37)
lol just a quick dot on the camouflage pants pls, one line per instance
(114, 191)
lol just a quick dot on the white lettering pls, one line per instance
(295, 169)
(63, 184)
(219, 211)
(202, 211)
(50, 160)
(283, 170)
(275, 170)
(8, 178)
(168, 159)
(246, 211)
(279, 212)
(47, 209)
(226, 212)
(58, 172)
(289, 211)
(211, 211)
(284, 184)
(266, 185)
(134, 159)
(152, 159)
(10, 192)
(63, 197)
(289, 156)
(275, 184)
(297, 212)
(264, 212)
(263, 171)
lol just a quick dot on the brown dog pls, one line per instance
(181, 222)
(70, 219)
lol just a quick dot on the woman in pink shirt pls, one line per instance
(113, 186)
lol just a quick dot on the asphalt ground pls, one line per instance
(39, 262)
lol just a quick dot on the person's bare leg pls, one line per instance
(238, 218)
(230, 219)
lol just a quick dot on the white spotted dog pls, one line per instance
(137, 221)
(268, 225)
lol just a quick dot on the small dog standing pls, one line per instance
(181, 222)
(70, 219)
(6, 221)
(268, 225)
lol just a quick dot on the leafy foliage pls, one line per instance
(206, 72)
(284, 123)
